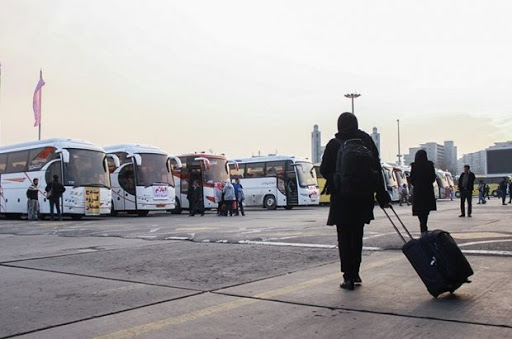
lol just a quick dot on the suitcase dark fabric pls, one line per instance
(437, 259)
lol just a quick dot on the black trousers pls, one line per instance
(350, 247)
(423, 218)
(465, 195)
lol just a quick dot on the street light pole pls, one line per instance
(399, 155)
(352, 96)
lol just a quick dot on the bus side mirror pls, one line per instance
(115, 159)
(138, 159)
(65, 155)
(176, 160)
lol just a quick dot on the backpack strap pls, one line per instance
(342, 147)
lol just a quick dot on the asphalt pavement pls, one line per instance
(56, 286)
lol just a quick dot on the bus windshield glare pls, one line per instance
(86, 168)
(154, 170)
(306, 174)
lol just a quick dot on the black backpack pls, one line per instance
(356, 175)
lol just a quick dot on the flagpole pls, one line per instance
(41, 101)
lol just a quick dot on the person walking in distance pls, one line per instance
(229, 196)
(350, 211)
(54, 192)
(510, 191)
(404, 195)
(466, 183)
(503, 190)
(481, 192)
(422, 178)
(33, 202)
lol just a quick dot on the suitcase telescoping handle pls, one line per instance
(394, 226)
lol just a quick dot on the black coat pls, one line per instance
(55, 189)
(471, 182)
(422, 179)
(345, 211)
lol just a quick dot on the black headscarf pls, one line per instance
(421, 156)
(347, 123)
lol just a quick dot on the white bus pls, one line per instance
(208, 169)
(390, 181)
(80, 165)
(442, 184)
(277, 181)
(142, 179)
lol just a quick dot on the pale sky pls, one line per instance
(239, 77)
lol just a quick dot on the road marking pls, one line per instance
(484, 242)
(480, 235)
(208, 311)
(291, 244)
(154, 230)
(190, 229)
(490, 252)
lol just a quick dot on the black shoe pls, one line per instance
(347, 284)
(469, 215)
(357, 280)
(462, 216)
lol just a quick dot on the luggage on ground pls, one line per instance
(436, 258)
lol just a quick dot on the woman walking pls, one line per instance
(422, 178)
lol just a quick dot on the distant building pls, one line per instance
(494, 160)
(376, 138)
(316, 145)
(443, 156)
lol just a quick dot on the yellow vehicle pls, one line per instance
(324, 198)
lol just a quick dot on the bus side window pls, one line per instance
(255, 170)
(236, 173)
(3, 162)
(17, 162)
(39, 157)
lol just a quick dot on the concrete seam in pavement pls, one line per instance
(366, 311)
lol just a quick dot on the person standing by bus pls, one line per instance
(510, 191)
(229, 196)
(240, 197)
(481, 192)
(350, 214)
(423, 176)
(466, 184)
(54, 192)
(503, 190)
(33, 202)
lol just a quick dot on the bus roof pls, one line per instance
(58, 143)
(134, 149)
(202, 155)
(271, 158)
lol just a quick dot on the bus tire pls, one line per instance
(113, 211)
(457, 194)
(288, 207)
(76, 216)
(177, 207)
(13, 216)
(142, 213)
(495, 193)
(269, 202)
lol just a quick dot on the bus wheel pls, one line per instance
(142, 213)
(13, 216)
(177, 207)
(288, 207)
(76, 216)
(113, 211)
(495, 193)
(270, 202)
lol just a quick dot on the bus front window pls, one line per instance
(154, 169)
(86, 168)
(306, 174)
(217, 171)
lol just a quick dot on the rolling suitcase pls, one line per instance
(436, 258)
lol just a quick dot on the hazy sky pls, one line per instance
(239, 77)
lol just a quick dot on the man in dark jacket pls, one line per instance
(350, 214)
(466, 184)
(503, 190)
(54, 192)
(422, 178)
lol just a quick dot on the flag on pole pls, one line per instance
(36, 101)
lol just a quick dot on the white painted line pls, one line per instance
(378, 235)
(490, 252)
(177, 238)
(154, 230)
(291, 244)
(483, 242)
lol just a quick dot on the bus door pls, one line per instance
(54, 168)
(125, 193)
(292, 194)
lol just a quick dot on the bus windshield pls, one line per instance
(86, 168)
(153, 170)
(217, 171)
(306, 174)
